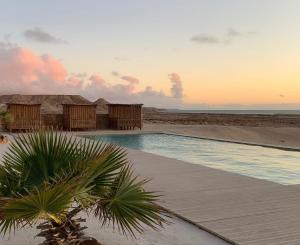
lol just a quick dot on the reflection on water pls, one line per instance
(260, 162)
(130, 141)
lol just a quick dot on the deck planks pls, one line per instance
(244, 210)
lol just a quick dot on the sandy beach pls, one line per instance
(222, 119)
(178, 232)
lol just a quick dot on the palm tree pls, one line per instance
(47, 178)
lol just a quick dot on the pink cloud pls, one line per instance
(97, 80)
(176, 89)
(53, 69)
(19, 68)
(22, 71)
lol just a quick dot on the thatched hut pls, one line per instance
(79, 116)
(23, 116)
(125, 116)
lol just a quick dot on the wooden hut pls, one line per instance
(79, 116)
(125, 116)
(24, 116)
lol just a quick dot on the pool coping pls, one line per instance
(279, 147)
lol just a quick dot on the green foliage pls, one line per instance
(7, 117)
(127, 204)
(45, 203)
(43, 174)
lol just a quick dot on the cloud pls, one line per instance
(130, 79)
(81, 75)
(205, 39)
(39, 35)
(176, 89)
(23, 71)
(115, 73)
(6, 44)
(230, 35)
(97, 80)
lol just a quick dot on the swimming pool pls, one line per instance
(260, 162)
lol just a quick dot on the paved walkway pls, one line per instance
(243, 210)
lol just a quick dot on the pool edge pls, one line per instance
(285, 148)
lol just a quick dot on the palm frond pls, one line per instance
(96, 174)
(34, 158)
(40, 156)
(128, 205)
(102, 171)
(47, 203)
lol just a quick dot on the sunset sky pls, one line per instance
(169, 53)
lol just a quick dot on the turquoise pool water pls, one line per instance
(260, 162)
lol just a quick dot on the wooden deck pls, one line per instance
(240, 209)
(243, 210)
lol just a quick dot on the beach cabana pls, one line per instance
(79, 116)
(24, 116)
(125, 116)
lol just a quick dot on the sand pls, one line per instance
(222, 119)
(177, 233)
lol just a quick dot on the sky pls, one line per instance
(171, 53)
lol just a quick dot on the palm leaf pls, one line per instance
(34, 158)
(46, 203)
(128, 205)
(37, 157)
(102, 171)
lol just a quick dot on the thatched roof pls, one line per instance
(101, 105)
(51, 104)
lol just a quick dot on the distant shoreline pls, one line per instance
(223, 119)
(241, 112)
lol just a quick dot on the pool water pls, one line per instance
(260, 162)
